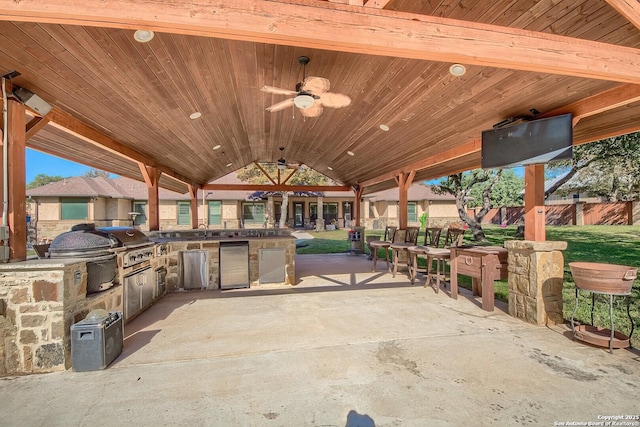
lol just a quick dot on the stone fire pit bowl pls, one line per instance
(603, 278)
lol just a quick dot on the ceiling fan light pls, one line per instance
(303, 101)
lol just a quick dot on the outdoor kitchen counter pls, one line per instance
(191, 239)
(41, 263)
(172, 246)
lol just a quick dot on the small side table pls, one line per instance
(484, 264)
(601, 336)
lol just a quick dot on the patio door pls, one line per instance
(298, 214)
(346, 210)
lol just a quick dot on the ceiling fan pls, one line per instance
(311, 95)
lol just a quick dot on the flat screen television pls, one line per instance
(527, 143)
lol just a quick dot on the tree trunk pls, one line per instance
(476, 228)
(284, 209)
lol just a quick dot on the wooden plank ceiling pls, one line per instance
(213, 58)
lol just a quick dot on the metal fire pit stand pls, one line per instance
(598, 336)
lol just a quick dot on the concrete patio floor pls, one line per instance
(345, 346)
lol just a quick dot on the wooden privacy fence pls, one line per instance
(617, 213)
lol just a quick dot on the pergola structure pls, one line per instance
(186, 107)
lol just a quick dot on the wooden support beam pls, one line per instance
(75, 127)
(465, 149)
(273, 181)
(599, 103)
(279, 187)
(16, 177)
(630, 9)
(338, 27)
(534, 209)
(193, 193)
(34, 125)
(151, 177)
(293, 172)
(357, 204)
(377, 4)
(404, 181)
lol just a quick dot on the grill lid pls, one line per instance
(82, 240)
(85, 240)
(126, 236)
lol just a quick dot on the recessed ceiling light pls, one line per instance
(330, 168)
(217, 147)
(195, 115)
(457, 70)
(350, 153)
(143, 36)
(384, 128)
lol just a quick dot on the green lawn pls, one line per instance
(596, 243)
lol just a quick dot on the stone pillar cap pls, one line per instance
(532, 245)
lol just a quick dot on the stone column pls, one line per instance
(635, 212)
(579, 213)
(536, 271)
(320, 217)
(271, 218)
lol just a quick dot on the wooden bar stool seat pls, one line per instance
(385, 243)
(440, 256)
(400, 250)
(414, 253)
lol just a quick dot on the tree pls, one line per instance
(95, 173)
(507, 191)
(460, 186)
(609, 168)
(302, 175)
(43, 179)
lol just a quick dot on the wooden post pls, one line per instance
(404, 180)
(151, 177)
(534, 209)
(16, 177)
(193, 192)
(356, 204)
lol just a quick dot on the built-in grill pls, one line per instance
(101, 246)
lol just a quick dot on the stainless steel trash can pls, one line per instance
(95, 343)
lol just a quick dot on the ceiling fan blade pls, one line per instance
(287, 103)
(314, 111)
(334, 100)
(316, 85)
(278, 91)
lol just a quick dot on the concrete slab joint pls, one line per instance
(536, 271)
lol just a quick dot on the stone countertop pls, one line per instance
(217, 239)
(42, 263)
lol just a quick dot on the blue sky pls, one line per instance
(38, 163)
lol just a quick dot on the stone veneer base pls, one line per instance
(536, 277)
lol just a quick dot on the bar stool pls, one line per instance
(385, 243)
(441, 256)
(431, 239)
(402, 248)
